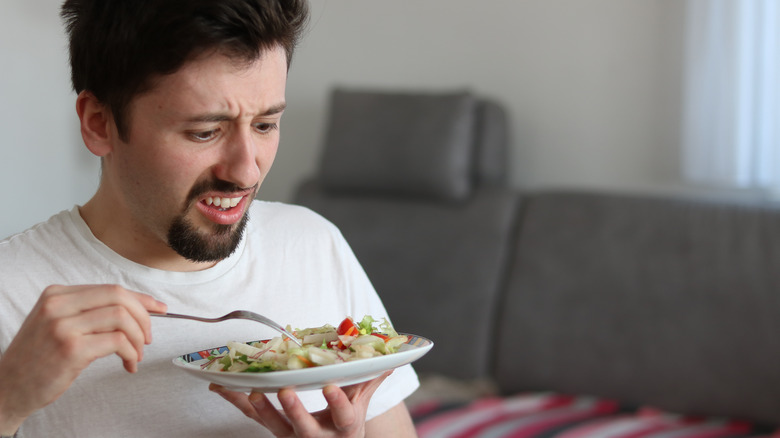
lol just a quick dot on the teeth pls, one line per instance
(223, 202)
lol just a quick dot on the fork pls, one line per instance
(236, 314)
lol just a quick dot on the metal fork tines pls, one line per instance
(237, 314)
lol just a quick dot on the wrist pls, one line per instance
(9, 423)
(10, 419)
(8, 426)
(8, 431)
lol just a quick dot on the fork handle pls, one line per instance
(198, 318)
(177, 315)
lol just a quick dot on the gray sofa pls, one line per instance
(659, 301)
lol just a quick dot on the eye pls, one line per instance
(203, 135)
(265, 128)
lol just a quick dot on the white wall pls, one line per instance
(43, 166)
(592, 88)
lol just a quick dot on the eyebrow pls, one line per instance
(222, 117)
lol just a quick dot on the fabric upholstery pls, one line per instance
(438, 267)
(544, 415)
(400, 143)
(416, 183)
(665, 302)
(492, 138)
(654, 301)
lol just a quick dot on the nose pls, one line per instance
(238, 161)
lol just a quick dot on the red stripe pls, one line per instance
(485, 410)
(602, 407)
(596, 427)
(560, 411)
(431, 426)
(528, 415)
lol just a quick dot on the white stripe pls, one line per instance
(504, 428)
(615, 427)
(481, 415)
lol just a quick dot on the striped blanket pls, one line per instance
(545, 415)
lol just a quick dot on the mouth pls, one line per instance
(222, 203)
(223, 210)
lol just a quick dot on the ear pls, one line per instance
(96, 124)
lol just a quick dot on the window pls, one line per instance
(731, 127)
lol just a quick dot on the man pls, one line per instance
(182, 101)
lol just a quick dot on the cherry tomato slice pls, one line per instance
(346, 325)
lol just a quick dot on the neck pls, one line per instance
(119, 231)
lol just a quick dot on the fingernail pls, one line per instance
(330, 393)
(286, 398)
(257, 400)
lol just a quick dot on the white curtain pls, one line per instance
(731, 126)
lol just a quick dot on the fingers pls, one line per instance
(104, 344)
(346, 408)
(345, 415)
(257, 407)
(63, 301)
(341, 401)
(302, 422)
(270, 417)
(72, 313)
(104, 320)
(238, 399)
(73, 325)
(364, 391)
(342, 413)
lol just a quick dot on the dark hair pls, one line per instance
(118, 46)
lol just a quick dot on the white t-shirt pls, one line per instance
(292, 266)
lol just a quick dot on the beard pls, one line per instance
(205, 246)
(198, 246)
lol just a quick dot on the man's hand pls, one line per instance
(70, 327)
(345, 415)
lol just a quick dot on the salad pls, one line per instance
(326, 345)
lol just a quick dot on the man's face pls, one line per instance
(199, 145)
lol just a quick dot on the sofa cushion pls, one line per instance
(396, 143)
(433, 264)
(492, 139)
(668, 302)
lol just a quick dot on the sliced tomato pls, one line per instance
(352, 331)
(347, 325)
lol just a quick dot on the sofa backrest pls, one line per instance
(669, 303)
(416, 184)
(437, 146)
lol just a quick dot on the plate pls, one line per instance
(341, 374)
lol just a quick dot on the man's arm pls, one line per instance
(394, 423)
(69, 327)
